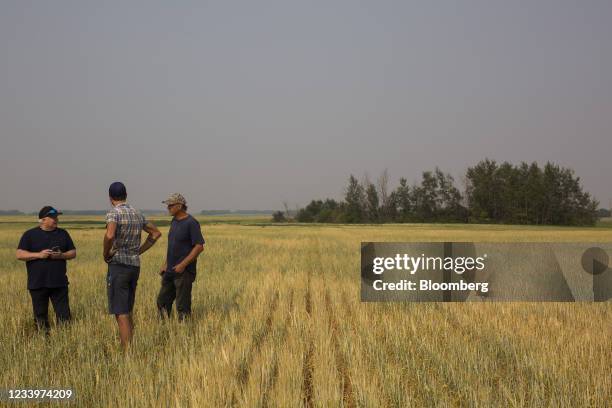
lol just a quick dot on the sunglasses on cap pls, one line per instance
(53, 213)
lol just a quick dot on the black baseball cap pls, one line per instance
(48, 211)
(117, 190)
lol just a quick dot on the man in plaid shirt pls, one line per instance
(122, 249)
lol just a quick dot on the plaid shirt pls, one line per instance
(130, 223)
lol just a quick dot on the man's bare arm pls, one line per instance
(109, 238)
(64, 255)
(154, 235)
(192, 256)
(23, 255)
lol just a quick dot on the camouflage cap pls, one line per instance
(175, 198)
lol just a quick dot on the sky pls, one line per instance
(249, 104)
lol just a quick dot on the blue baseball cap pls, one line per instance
(48, 211)
(117, 190)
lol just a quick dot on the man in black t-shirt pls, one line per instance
(185, 243)
(45, 250)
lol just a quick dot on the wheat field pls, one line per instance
(278, 322)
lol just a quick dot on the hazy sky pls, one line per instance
(244, 105)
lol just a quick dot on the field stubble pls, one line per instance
(278, 322)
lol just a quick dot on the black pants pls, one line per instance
(40, 304)
(176, 287)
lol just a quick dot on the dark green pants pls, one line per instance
(177, 287)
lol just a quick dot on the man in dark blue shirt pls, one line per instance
(45, 250)
(185, 243)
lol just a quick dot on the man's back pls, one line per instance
(130, 223)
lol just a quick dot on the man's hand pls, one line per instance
(108, 256)
(56, 255)
(68, 255)
(195, 251)
(45, 253)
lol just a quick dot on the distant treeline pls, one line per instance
(494, 193)
(603, 213)
(235, 212)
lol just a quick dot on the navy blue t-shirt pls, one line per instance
(46, 273)
(183, 236)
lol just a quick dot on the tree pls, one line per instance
(526, 194)
(386, 205)
(287, 213)
(310, 212)
(329, 211)
(531, 197)
(437, 199)
(448, 199)
(402, 199)
(424, 198)
(372, 210)
(483, 191)
(505, 193)
(354, 198)
(319, 211)
(278, 216)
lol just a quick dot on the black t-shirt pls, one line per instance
(183, 236)
(46, 273)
